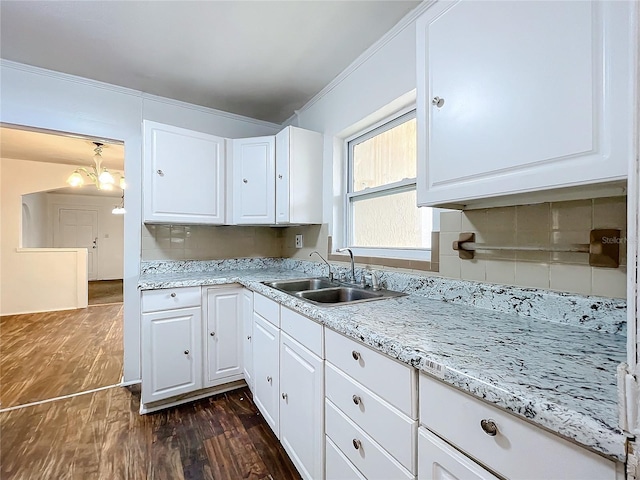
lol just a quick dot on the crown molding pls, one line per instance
(129, 91)
(407, 20)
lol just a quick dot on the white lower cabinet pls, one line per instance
(247, 334)
(439, 461)
(266, 370)
(222, 336)
(338, 465)
(171, 353)
(301, 407)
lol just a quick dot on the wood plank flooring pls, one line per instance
(105, 291)
(46, 355)
(102, 436)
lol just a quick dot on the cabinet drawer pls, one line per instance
(394, 431)
(519, 450)
(369, 457)
(170, 298)
(439, 460)
(393, 381)
(267, 309)
(338, 466)
(302, 329)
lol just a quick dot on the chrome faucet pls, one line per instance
(323, 259)
(353, 270)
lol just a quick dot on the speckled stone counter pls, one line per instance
(556, 375)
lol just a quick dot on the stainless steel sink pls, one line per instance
(302, 284)
(323, 292)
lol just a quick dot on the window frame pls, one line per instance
(404, 185)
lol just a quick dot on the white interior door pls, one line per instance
(77, 228)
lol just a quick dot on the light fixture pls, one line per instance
(101, 177)
(119, 209)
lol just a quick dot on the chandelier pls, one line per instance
(101, 177)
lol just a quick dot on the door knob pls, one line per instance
(186, 352)
(160, 172)
(213, 334)
(437, 101)
(244, 180)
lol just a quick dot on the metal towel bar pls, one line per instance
(603, 247)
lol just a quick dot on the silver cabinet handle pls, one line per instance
(285, 396)
(249, 337)
(438, 102)
(489, 426)
(280, 176)
(268, 378)
(356, 399)
(173, 294)
(355, 355)
(244, 180)
(357, 444)
(160, 172)
(213, 334)
(186, 352)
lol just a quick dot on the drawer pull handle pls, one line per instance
(173, 294)
(355, 355)
(269, 378)
(357, 444)
(186, 352)
(213, 334)
(248, 337)
(244, 180)
(489, 426)
(285, 396)
(160, 172)
(356, 399)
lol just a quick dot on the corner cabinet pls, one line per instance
(183, 176)
(518, 97)
(277, 179)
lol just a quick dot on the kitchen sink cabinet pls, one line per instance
(171, 347)
(183, 176)
(253, 183)
(247, 336)
(222, 335)
(515, 98)
(266, 370)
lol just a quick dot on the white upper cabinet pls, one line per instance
(183, 176)
(253, 180)
(298, 176)
(518, 97)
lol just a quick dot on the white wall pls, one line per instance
(110, 248)
(35, 280)
(35, 219)
(45, 99)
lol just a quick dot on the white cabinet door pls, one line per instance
(266, 369)
(517, 97)
(222, 335)
(253, 180)
(183, 175)
(171, 353)
(439, 461)
(298, 176)
(247, 333)
(301, 402)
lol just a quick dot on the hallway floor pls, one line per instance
(105, 291)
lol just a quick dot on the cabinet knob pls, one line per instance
(244, 180)
(186, 352)
(268, 378)
(489, 426)
(280, 176)
(173, 294)
(213, 334)
(355, 355)
(285, 396)
(160, 172)
(357, 444)
(248, 337)
(356, 399)
(437, 101)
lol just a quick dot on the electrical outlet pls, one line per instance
(299, 240)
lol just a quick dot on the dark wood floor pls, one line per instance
(46, 355)
(105, 291)
(101, 436)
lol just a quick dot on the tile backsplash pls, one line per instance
(544, 224)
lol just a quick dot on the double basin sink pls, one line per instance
(322, 291)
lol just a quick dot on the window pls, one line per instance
(382, 217)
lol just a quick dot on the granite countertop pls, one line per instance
(561, 377)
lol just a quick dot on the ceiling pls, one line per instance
(262, 59)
